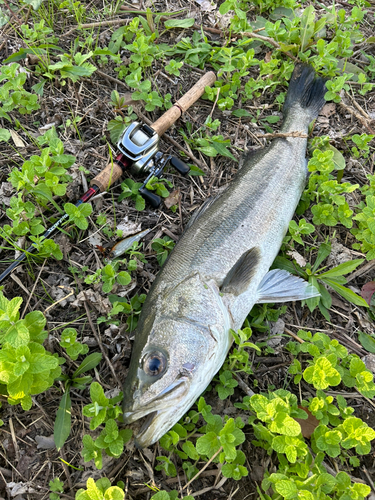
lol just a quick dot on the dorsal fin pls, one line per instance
(199, 211)
(239, 277)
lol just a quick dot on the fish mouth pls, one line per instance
(159, 415)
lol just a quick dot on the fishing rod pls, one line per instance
(139, 152)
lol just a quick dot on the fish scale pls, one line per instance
(252, 199)
(217, 271)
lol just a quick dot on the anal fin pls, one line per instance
(280, 286)
(239, 277)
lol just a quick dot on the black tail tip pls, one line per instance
(306, 89)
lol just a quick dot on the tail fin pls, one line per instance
(306, 90)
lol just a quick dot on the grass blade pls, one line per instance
(62, 426)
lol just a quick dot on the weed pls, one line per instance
(130, 189)
(63, 417)
(13, 97)
(131, 309)
(40, 178)
(72, 67)
(100, 490)
(318, 277)
(158, 185)
(70, 344)
(163, 247)
(109, 276)
(56, 486)
(173, 68)
(78, 214)
(103, 411)
(26, 368)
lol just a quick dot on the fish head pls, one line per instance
(175, 363)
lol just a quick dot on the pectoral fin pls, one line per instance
(280, 286)
(239, 277)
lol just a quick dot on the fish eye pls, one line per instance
(154, 363)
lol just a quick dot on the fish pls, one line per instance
(123, 245)
(218, 270)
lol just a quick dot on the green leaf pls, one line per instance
(322, 374)
(323, 252)
(341, 269)
(90, 362)
(208, 444)
(179, 23)
(114, 493)
(123, 278)
(239, 113)
(140, 203)
(97, 394)
(56, 485)
(4, 135)
(307, 26)
(286, 425)
(90, 451)
(286, 488)
(190, 450)
(367, 341)
(62, 425)
(194, 170)
(223, 150)
(347, 67)
(338, 159)
(34, 3)
(347, 293)
(161, 495)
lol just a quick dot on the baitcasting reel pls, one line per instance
(139, 144)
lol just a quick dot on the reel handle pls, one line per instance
(179, 107)
(179, 165)
(152, 199)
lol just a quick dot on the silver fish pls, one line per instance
(218, 270)
(123, 245)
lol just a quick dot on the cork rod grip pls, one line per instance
(174, 113)
(107, 177)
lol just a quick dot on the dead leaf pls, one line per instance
(95, 239)
(17, 139)
(100, 303)
(6, 193)
(369, 361)
(328, 110)
(19, 488)
(173, 198)
(206, 5)
(367, 291)
(267, 57)
(45, 442)
(309, 425)
(223, 21)
(46, 127)
(301, 261)
(128, 227)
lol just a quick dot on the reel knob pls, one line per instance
(153, 199)
(179, 165)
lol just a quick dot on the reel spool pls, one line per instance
(139, 144)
